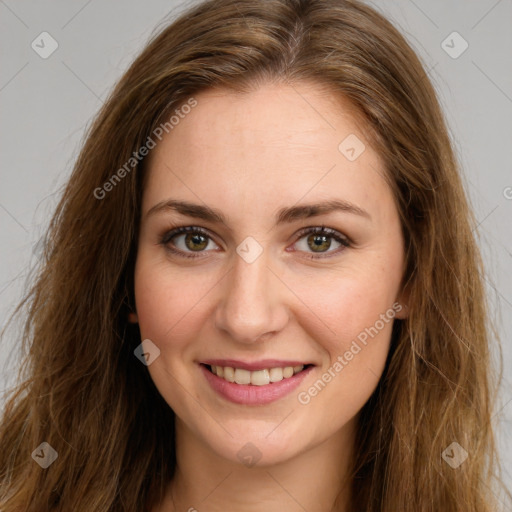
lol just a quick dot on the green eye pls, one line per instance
(317, 240)
(195, 240)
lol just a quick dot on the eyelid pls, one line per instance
(323, 229)
(341, 238)
(180, 230)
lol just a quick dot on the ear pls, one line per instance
(133, 318)
(401, 304)
(401, 310)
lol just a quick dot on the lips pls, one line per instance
(255, 365)
(256, 377)
(254, 383)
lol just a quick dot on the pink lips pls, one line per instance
(248, 394)
(256, 365)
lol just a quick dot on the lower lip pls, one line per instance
(253, 395)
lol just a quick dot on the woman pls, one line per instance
(325, 348)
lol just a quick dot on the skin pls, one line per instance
(248, 155)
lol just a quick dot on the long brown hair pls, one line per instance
(82, 390)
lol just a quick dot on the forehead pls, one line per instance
(277, 143)
(290, 118)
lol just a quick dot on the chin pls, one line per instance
(256, 447)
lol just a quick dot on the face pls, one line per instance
(295, 304)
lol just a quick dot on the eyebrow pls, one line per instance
(284, 215)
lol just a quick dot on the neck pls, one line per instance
(315, 480)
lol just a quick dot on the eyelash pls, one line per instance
(322, 230)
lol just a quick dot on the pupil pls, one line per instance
(318, 241)
(196, 241)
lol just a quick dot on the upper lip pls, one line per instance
(253, 365)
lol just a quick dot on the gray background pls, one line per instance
(47, 103)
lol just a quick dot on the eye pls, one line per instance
(319, 241)
(186, 240)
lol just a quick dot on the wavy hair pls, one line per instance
(81, 389)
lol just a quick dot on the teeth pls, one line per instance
(276, 374)
(229, 373)
(258, 377)
(242, 376)
(287, 372)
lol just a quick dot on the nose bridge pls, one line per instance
(250, 306)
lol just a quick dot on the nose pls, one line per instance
(253, 303)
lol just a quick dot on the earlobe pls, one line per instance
(401, 310)
(401, 306)
(133, 318)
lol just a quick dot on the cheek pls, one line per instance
(346, 302)
(352, 323)
(357, 307)
(168, 302)
(334, 305)
(354, 357)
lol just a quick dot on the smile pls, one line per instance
(255, 378)
(257, 386)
